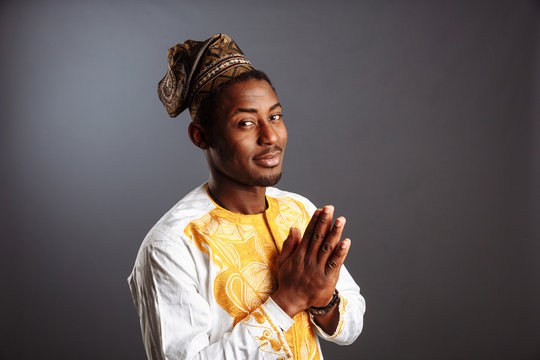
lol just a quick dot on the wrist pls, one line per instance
(327, 322)
(288, 306)
(326, 309)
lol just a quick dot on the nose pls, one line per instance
(267, 134)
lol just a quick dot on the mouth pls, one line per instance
(268, 160)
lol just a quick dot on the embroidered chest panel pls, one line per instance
(244, 250)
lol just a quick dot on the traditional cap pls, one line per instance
(196, 68)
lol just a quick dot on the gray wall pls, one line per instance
(418, 120)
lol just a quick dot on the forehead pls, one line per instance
(252, 94)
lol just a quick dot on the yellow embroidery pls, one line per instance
(258, 317)
(302, 338)
(244, 280)
(270, 336)
(266, 339)
(244, 249)
(342, 306)
(277, 332)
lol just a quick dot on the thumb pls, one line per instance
(289, 245)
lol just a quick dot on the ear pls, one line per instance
(198, 135)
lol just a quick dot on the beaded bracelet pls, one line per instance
(325, 309)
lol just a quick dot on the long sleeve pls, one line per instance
(351, 312)
(177, 321)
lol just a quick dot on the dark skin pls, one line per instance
(244, 149)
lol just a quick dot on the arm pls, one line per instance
(176, 321)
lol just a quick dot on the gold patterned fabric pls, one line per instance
(195, 68)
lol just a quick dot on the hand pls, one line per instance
(308, 266)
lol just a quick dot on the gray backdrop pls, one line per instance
(418, 120)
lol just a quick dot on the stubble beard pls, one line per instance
(265, 181)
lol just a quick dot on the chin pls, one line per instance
(270, 180)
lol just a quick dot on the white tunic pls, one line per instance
(203, 276)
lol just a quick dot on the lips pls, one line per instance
(269, 159)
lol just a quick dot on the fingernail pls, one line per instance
(327, 209)
(340, 221)
(344, 244)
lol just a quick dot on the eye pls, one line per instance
(276, 117)
(246, 123)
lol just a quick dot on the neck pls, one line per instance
(238, 198)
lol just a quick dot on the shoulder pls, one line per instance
(166, 249)
(282, 194)
(169, 229)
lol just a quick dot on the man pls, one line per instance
(238, 269)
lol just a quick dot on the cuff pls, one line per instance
(279, 317)
(339, 328)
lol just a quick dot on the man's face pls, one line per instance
(248, 136)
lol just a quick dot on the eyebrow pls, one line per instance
(252, 110)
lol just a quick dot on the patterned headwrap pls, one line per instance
(196, 68)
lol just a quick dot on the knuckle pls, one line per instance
(326, 247)
(323, 219)
(332, 264)
(317, 236)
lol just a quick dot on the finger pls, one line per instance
(289, 245)
(304, 244)
(333, 265)
(319, 234)
(332, 240)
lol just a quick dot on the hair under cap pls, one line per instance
(195, 68)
